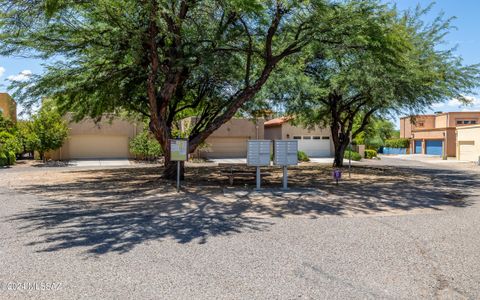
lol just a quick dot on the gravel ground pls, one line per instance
(94, 252)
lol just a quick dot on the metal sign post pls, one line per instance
(178, 153)
(178, 176)
(350, 158)
(259, 178)
(285, 177)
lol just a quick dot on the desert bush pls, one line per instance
(302, 156)
(370, 154)
(353, 155)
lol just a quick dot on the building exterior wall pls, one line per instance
(234, 128)
(437, 127)
(410, 124)
(230, 140)
(436, 134)
(87, 131)
(8, 107)
(273, 132)
(441, 121)
(469, 135)
(287, 131)
(461, 116)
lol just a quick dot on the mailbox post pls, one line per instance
(258, 155)
(286, 154)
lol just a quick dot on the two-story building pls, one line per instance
(436, 134)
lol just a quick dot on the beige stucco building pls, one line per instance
(436, 134)
(87, 139)
(315, 141)
(230, 140)
(468, 143)
(8, 107)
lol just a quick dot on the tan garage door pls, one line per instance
(98, 146)
(226, 148)
(467, 151)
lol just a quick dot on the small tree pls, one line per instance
(26, 136)
(50, 130)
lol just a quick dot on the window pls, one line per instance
(466, 122)
(307, 137)
(296, 137)
(316, 137)
(325, 137)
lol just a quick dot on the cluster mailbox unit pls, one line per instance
(285, 154)
(258, 155)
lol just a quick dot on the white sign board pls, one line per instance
(258, 153)
(286, 152)
(178, 150)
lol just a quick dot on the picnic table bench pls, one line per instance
(233, 172)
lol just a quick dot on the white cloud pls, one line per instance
(2, 71)
(22, 76)
(454, 102)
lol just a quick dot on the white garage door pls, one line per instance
(315, 147)
(226, 147)
(98, 146)
(467, 151)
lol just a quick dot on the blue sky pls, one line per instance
(466, 37)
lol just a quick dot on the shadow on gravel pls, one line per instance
(115, 210)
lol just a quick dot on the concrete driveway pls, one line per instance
(120, 162)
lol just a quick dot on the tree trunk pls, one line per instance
(339, 154)
(170, 171)
(340, 144)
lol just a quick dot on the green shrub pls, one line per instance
(145, 147)
(9, 142)
(353, 155)
(370, 154)
(397, 143)
(302, 156)
(3, 159)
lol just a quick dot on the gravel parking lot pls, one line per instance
(396, 230)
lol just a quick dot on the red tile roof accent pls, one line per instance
(277, 121)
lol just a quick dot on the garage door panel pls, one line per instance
(418, 147)
(467, 151)
(315, 148)
(98, 146)
(434, 147)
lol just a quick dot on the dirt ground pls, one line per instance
(371, 190)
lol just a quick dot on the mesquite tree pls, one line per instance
(401, 69)
(164, 59)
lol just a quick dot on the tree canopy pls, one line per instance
(403, 69)
(168, 59)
